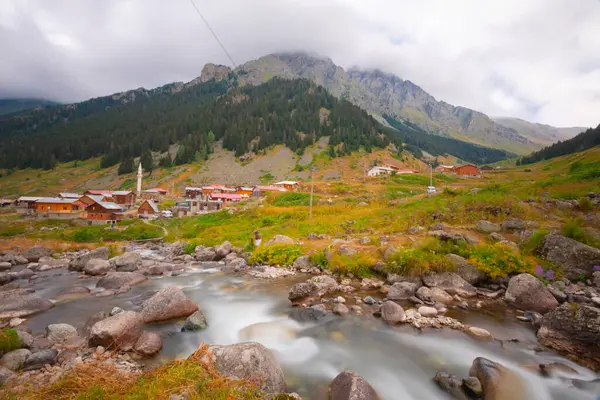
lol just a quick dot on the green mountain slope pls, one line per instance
(11, 106)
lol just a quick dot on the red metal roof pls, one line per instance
(95, 191)
(226, 196)
(269, 188)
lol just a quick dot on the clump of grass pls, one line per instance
(417, 262)
(190, 248)
(573, 229)
(277, 254)
(319, 259)
(534, 244)
(499, 260)
(290, 199)
(9, 340)
(585, 204)
(358, 264)
(195, 376)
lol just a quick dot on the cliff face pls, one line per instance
(381, 93)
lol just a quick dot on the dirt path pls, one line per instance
(165, 231)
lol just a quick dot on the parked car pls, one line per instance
(167, 214)
(431, 190)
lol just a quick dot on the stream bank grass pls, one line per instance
(499, 260)
(277, 254)
(103, 381)
(426, 258)
(9, 340)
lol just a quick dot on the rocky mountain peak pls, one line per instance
(213, 71)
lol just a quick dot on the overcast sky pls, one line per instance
(534, 59)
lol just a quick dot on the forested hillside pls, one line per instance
(416, 141)
(583, 141)
(11, 106)
(124, 126)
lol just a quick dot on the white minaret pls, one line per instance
(139, 181)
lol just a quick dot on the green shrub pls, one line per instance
(358, 264)
(9, 340)
(190, 248)
(572, 229)
(319, 259)
(499, 260)
(277, 254)
(534, 244)
(290, 199)
(11, 230)
(585, 204)
(417, 262)
(84, 235)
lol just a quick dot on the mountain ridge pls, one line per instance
(540, 133)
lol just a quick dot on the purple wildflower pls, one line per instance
(550, 275)
(596, 267)
(539, 271)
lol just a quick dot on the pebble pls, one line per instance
(100, 350)
(340, 299)
(479, 333)
(427, 311)
(369, 300)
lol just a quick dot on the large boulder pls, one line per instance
(203, 254)
(280, 239)
(5, 265)
(574, 258)
(308, 314)
(195, 322)
(15, 359)
(392, 313)
(122, 331)
(148, 344)
(402, 291)
(20, 302)
(452, 385)
(96, 266)
(116, 280)
(302, 262)
(5, 375)
(487, 226)
(249, 361)
(528, 293)
(451, 283)
(58, 333)
(434, 294)
(514, 224)
(573, 330)
(348, 385)
(34, 253)
(467, 271)
(39, 359)
(78, 264)
(497, 382)
(166, 304)
(315, 287)
(45, 263)
(223, 250)
(127, 262)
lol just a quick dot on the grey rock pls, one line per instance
(513, 224)
(58, 333)
(496, 237)
(5, 266)
(467, 271)
(128, 262)
(556, 369)
(528, 293)
(573, 330)
(20, 303)
(340, 309)
(450, 282)
(238, 264)
(195, 322)
(205, 255)
(487, 226)
(20, 260)
(250, 361)
(115, 311)
(369, 300)
(413, 230)
(148, 344)
(26, 339)
(402, 291)
(121, 331)
(5, 375)
(223, 250)
(15, 359)
(454, 237)
(559, 295)
(97, 267)
(280, 239)
(308, 314)
(116, 280)
(302, 262)
(346, 251)
(393, 278)
(168, 303)
(73, 291)
(34, 253)
(392, 313)
(40, 358)
(451, 384)
(427, 311)
(302, 290)
(78, 263)
(574, 258)
(348, 385)
(25, 273)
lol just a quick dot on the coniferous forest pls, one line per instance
(124, 126)
(583, 141)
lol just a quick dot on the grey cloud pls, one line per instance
(533, 60)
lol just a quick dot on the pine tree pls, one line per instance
(126, 166)
(147, 160)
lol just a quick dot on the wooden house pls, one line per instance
(193, 192)
(27, 202)
(67, 195)
(486, 168)
(467, 170)
(380, 170)
(261, 190)
(288, 185)
(103, 212)
(444, 169)
(125, 198)
(153, 194)
(6, 202)
(89, 199)
(147, 209)
(56, 205)
(244, 190)
(225, 197)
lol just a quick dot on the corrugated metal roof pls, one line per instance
(55, 200)
(287, 183)
(110, 205)
(96, 197)
(152, 205)
(68, 195)
(28, 198)
(226, 196)
(197, 189)
(121, 192)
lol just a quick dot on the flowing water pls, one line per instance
(398, 362)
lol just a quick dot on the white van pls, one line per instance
(431, 190)
(167, 214)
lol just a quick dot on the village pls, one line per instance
(103, 206)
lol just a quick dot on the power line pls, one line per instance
(213, 33)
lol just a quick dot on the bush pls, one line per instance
(290, 199)
(572, 229)
(499, 260)
(190, 248)
(358, 264)
(534, 244)
(9, 340)
(319, 259)
(417, 262)
(585, 204)
(277, 254)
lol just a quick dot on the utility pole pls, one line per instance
(312, 189)
(431, 175)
